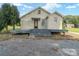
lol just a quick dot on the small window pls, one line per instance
(55, 19)
(39, 11)
(47, 17)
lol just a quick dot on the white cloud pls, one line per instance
(17, 4)
(51, 6)
(39, 1)
(71, 7)
(0, 5)
(26, 6)
(77, 4)
(48, 5)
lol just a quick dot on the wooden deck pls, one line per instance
(38, 32)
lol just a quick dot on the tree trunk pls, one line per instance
(6, 28)
(19, 24)
(14, 27)
(13, 23)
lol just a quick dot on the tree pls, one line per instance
(6, 15)
(67, 18)
(10, 15)
(1, 21)
(71, 19)
(14, 16)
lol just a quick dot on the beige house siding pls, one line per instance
(53, 24)
(43, 23)
(27, 22)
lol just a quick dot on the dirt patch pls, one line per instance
(5, 36)
(67, 36)
(44, 47)
(73, 36)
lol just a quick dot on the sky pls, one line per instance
(63, 8)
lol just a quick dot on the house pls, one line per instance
(41, 19)
(70, 25)
(41, 22)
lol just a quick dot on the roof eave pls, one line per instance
(34, 10)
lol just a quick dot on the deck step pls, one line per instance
(40, 32)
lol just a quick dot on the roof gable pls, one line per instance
(35, 10)
(58, 14)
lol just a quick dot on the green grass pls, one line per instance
(5, 37)
(73, 29)
(18, 27)
(10, 28)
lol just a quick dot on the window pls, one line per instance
(47, 17)
(55, 19)
(39, 12)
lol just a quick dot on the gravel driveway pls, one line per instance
(44, 47)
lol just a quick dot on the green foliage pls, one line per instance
(69, 19)
(14, 16)
(1, 21)
(73, 29)
(6, 15)
(9, 15)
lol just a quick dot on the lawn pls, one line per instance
(6, 36)
(73, 29)
(10, 28)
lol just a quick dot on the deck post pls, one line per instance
(63, 33)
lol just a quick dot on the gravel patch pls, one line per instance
(43, 47)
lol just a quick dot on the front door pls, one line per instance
(36, 22)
